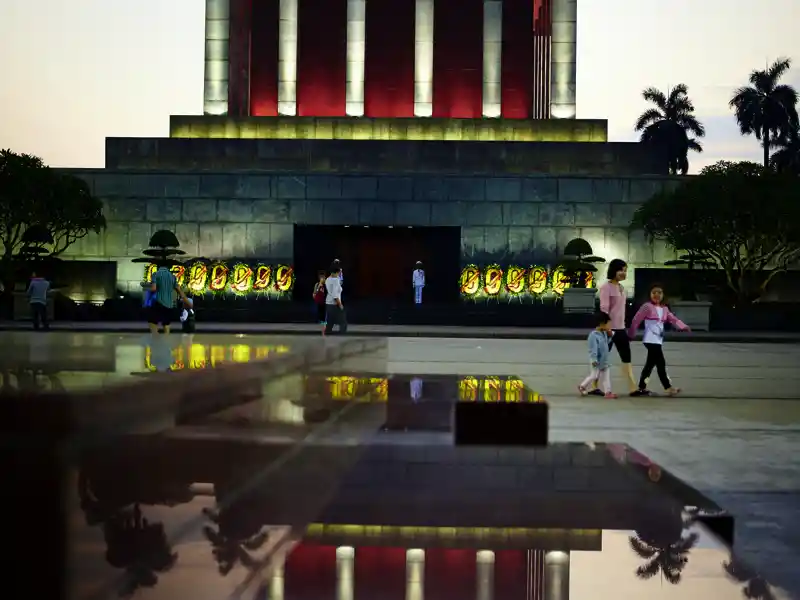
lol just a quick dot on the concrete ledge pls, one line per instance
(422, 331)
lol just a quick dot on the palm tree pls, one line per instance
(755, 587)
(767, 108)
(664, 547)
(786, 159)
(669, 124)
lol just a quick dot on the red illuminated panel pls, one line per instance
(458, 59)
(380, 573)
(264, 58)
(516, 79)
(542, 34)
(310, 572)
(321, 57)
(450, 573)
(389, 62)
(516, 570)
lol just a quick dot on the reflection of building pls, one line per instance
(202, 356)
(376, 562)
(496, 389)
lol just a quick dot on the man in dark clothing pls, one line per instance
(38, 289)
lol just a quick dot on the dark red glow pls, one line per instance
(516, 79)
(458, 59)
(321, 57)
(308, 570)
(380, 573)
(264, 59)
(389, 62)
(449, 573)
(239, 58)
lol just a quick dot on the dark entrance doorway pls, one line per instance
(378, 261)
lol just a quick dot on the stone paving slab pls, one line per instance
(414, 331)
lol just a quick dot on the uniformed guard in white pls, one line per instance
(418, 281)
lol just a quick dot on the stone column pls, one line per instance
(276, 581)
(356, 53)
(423, 59)
(556, 575)
(415, 574)
(485, 575)
(492, 57)
(563, 59)
(345, 572)
(215, 84)
(287, 58)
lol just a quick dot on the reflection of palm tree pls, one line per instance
(139, 547)
(664, 548)
(232, 541)
(756, 588)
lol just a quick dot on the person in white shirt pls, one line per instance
(418, 281)
(333, 300)
(338, 264)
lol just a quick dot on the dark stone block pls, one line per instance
(466, 188)
(323, 187)
(219, 186)
(376, 213)
(448, 214)
(501, 424)
(484, 213)
(503, 189)
(181, 186)
(359, 187)
(291, 188)
(306, 212)
(430, 189)
(271, 211)
(539, 189)
(340, 212)
(412, 213)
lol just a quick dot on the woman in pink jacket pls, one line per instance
(654, 314)
(613, 300)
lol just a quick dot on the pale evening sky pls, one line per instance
(76, 71)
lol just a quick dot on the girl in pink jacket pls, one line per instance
(654, 314)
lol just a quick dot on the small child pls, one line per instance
(319, 299)
(187, 316)
(599, 356)
(654, 314)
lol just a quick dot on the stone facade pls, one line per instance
(505, 219)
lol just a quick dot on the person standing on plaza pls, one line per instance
(333, 300)
(162, 308)
(613, 301)
(599, 353)
(38, 290)
(418, 281)
(320, 294)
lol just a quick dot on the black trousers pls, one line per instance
(39, 315)
(335, 316)
(655, 358)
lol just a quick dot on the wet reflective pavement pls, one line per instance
(328, 481)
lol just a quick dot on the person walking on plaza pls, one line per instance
(333, 301)
(599, 359)
(38, 290)
(319, 295)
(613, 300)
(418, 281)
(654, 314)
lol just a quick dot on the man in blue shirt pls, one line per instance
(162, 310)
(38, 289)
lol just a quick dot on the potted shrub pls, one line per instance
(577, 265)
(693, 307)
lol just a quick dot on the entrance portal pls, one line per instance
(378, 261)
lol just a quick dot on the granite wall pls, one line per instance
(504, 219)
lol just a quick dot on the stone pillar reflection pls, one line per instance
(556, 575)
(345, 572)
(563, 59)
(415, 574)
(276, 581)
(356, 54)
(485, 575)
(215, 84)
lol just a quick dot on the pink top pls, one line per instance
(612, 302)
(650, 312)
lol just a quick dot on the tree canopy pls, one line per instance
(32, 195)
(744, 217)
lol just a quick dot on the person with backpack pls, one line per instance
(319, 299)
